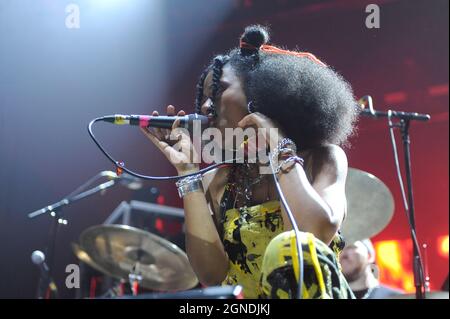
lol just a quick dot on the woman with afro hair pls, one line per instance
(237, 230)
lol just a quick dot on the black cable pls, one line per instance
(296, 230)
(120, 165)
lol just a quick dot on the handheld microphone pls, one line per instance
(159, 121)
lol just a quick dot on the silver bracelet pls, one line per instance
(282, 147)
(189, 184)
(295, 159)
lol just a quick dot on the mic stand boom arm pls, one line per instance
(69, 200)
(407, 116)
(55, 211)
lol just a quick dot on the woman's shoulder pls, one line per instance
(329, 154)
(329, 158)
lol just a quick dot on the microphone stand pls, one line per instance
(55, 211)
(417, 266)
(404, 124)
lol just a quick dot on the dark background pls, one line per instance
(135, 56)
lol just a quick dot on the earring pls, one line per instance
(212, 111)
(250, 107)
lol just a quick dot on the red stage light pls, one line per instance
(394, 262)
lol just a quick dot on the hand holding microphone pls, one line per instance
(163, 133)
(160, 135)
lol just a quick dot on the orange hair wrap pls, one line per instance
(276, 50)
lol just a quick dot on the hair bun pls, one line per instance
(255, 35)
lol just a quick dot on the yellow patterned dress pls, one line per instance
(263, 258)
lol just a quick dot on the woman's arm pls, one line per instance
(318, 206)
(203, 244)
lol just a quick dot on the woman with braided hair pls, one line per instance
(237, 230)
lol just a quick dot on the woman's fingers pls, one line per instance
(174, 143)
(170, 110)
(157, 131)
(164, 134)
(176, 123)
(152, 136)
(148, 132)
(249, 120)
(173, 155)
(164, 147)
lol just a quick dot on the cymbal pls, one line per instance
(428, 295)
(84, 257)
(120, 250)
(370, 206)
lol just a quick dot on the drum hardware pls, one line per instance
(135, 279)
(161, 220)
(122, 213)
(142, 216)
(139, 257)
(55, 211)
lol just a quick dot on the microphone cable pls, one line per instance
(121, 166)
(296, 230)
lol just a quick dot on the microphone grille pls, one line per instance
(37, 257)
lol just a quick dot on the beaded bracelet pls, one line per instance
(283, 148)
(283, 166)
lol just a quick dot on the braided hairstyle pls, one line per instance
(312, 104)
